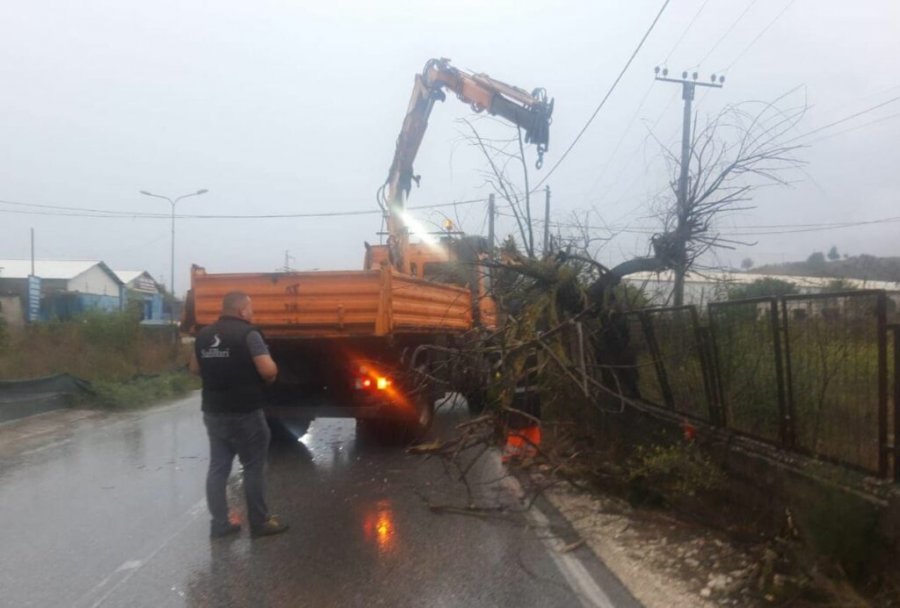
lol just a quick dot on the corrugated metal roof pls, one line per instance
(49, 269)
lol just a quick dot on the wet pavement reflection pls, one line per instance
(113, 515)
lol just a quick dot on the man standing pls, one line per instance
(234, 363)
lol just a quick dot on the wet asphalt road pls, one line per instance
(112, 513)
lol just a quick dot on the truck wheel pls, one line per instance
(404, 430)
(287, 431)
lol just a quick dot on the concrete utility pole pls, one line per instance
(173, 202)
(681, 234)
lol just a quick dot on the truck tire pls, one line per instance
(403, 431)
(287, 431)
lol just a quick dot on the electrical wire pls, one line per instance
(727, 32)
(759, 35)
(684, 33)
(66, 211)
(857, 127)
(844, 119)
(605, 97)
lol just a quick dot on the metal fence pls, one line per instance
(809, 373)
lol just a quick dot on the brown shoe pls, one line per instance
(270, 527)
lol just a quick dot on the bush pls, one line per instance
(96, 346)
(143, 390)
(665, 473)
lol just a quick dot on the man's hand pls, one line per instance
(193, 364)
(266, 368)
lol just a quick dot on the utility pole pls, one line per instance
(287, 261)
(32, 252)
(546, 220)
(681, 229)
(491, 214)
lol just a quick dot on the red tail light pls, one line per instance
(369, 379)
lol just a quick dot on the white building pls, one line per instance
(702, 288)
(67, 287)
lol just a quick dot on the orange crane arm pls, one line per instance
(529, 111)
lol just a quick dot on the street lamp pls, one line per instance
(172, 202)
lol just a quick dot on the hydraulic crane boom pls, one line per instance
(531, 112)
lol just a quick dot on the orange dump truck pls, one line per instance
(377, 344)
(369, 344)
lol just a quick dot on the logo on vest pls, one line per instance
(214, 352)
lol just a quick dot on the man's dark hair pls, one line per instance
(234, 301)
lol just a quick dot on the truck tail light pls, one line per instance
(369, 379)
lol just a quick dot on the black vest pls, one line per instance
(231, 384)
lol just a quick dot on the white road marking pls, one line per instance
(579, 579)
(131, 567)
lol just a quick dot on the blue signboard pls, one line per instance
(34, 298)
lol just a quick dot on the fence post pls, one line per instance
(785, 411)
(707, 367)
(895, 329)
(661, 374)
(718, 388)
(788, 381)
(881, 313)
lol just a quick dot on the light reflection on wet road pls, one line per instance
(112, 514)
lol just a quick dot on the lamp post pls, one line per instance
(173, 202)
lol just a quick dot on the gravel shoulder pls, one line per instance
(664, 562)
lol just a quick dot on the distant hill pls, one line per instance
(863, 267)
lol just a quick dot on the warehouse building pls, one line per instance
(57, 289)
(141, 287)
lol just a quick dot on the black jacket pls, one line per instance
(231, 383)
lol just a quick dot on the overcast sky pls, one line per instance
(294, 107)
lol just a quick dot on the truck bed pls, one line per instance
(321, 304)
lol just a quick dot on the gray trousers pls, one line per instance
(247, 436)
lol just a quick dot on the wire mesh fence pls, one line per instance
(748, 371)
(835, 360)
(675, 333)
(811, 373)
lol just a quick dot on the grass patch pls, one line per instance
(142, 391)
(127, 364)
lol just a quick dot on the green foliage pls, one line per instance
(143, 390)
(665, 473)
(763, 287)
(839, 285)
(630, 297)
(816, 260)
(833, 253)
(114, 330)
(864, 267)
(96, 346)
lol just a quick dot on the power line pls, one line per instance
(603, 101)
(760, 35)
(857, 127)
(727, 32)
(684, 33)
(754, 230)
(845, 119)
(66, 211)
